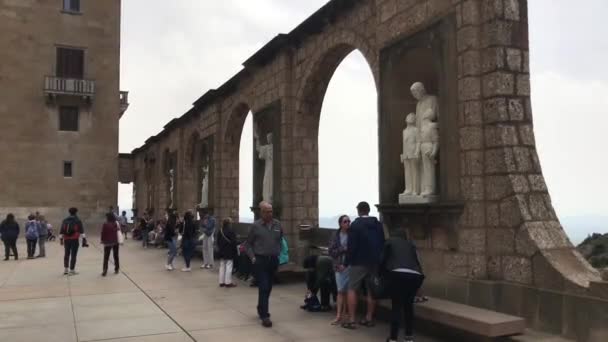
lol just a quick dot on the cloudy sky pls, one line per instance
(172, 52)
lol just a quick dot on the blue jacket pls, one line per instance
(209, 228)
(31, 230)
(365, 242)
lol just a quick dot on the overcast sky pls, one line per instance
(172, 52)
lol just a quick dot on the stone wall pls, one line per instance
(507, 251)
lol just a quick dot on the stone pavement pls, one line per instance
(146, 303)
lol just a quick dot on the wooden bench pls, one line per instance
(467, 318)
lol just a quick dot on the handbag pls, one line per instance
(379, 285)
(119, 237)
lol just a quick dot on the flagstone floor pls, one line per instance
(147, 303)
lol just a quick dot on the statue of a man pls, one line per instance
(205, 187)
(265, 153)
(427, 112)
(411, 155)
(171, 187)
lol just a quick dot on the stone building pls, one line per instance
(492, 240)
(60, 106)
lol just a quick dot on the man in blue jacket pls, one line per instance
(363, 256)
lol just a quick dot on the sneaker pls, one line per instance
(186, 269)
(203, 266)
(104, 273)
(116, 271)
(267, 323)
(66, 271)
(73, 272)
(222, 285)
(169, 267)
(230, 285)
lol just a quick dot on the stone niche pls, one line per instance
(170, 163)
(204, 158)
(267, 120)
(429, 57)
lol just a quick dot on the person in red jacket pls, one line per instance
(109, 240)
(69, 236)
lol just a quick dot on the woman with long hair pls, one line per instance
(109, 240)
(170, 238)
(337, 250)
(9, 229)
(188, 239)
(227, 245)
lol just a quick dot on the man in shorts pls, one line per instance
(363, 256)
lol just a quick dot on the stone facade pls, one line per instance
(506, 251)
(33, 147)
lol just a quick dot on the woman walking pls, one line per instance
(31, 235)
(43, 235)
(109, 240)
(170, 238)
(227, 245)
(188, 242)
(337, 250)
(9, 229)
(404, 279)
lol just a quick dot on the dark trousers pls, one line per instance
(327, 287)
(70, 251)
(265, 268)
(188, 250)
(10, 244)
(403, 288)
(31, 247)
(106, 257)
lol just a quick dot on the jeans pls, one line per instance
(188, 250)
(10, 244)
(41, 244)
(172, 244)
(144, 237)
(208, 250)
(106, 257)
(31, 247)
(70, 252)
(403, 288)
(226, 271)
(265, 268)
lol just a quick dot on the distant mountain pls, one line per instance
(595, 250)
(579, 228)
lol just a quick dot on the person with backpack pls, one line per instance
(110, 242)
(43, 235)
(188, 239)
(69, 236)
(31, 235)
(227, 245)
(9, 229)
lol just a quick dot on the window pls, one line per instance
(71, 5)
(68, 118)
(70, 63)
(67, 169)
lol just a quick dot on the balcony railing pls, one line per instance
(124, 102)
(54, 85)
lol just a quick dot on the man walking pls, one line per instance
(122, 221)
(208, 230)
(365, 245)
(263, 248)
(71, 230)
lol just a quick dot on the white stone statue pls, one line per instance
(423, 189)
(171, 187)
(411, 155)
(265, 153)
(205, 187)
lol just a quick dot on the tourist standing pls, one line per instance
(337, 250)
(263, 248)
(109, 240)
(31, 235)
(405, 277)
(43, 235)
(123, 221)
(188, 239)
(208, 230)
(170, 239)
(227, 245)
(9, 230)
(69, 236)
(365, 244)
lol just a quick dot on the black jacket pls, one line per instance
(170, 232)
(227, 244)
(189, 230)
(9, 230)
(365, 242)
(400, 253)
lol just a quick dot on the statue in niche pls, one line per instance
(423, 188)
(265, 153)
(204, 186)
(411, 155)
(171, 187)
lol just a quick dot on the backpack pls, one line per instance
(284, 255)
(31, 231)
(70, 227)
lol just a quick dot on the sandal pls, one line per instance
(337, 321)
(366, 323)
(349, 325)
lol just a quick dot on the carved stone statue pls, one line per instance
(171, 187)
(423, 189)
(205, 187)
(411, 155)
(265, 153)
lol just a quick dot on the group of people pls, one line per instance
(359, 257)
(37, 232)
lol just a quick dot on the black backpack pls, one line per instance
(70, 227)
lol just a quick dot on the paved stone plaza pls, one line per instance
(147, 303)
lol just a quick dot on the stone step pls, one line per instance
(536, 336)
(467, 318)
